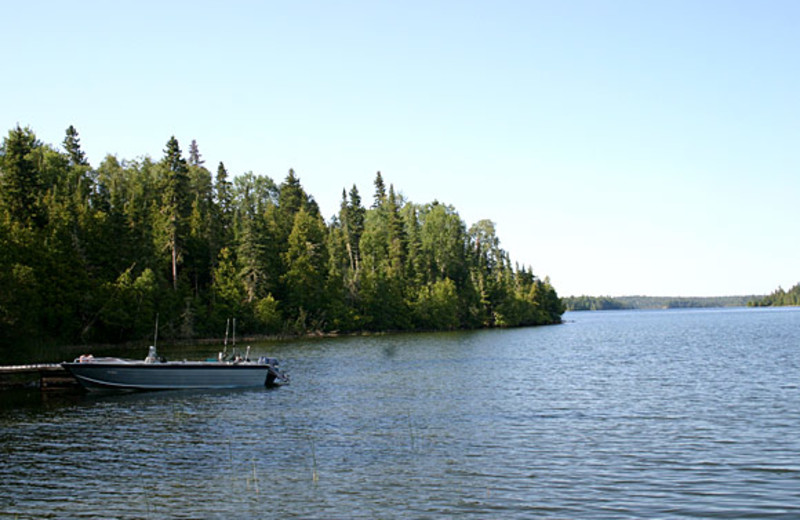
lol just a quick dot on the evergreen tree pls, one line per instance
(380, 191)
(306, 259)
(340, 285)
(251, 253)
(220, 214)
(21, 182)
(72, 144)
(194, 155)
(222, 192)
(174, 203)
(255, 232)
(353, 223)
(291, 199)
(201, 246)
(397, 235)
(415, 271)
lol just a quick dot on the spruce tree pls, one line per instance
(290, 200)
(175, 203)
(72, 145)
(194, 155)
(380, 191)
(354, 227)
(222, 190)
(398, 242)
(21, 183)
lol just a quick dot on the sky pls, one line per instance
(620, 147)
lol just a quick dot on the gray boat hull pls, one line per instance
(122, 375)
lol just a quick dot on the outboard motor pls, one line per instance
(274, 374)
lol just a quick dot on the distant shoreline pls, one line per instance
(597, 303)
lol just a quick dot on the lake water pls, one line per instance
(622, 414)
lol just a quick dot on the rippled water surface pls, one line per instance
(659, 414)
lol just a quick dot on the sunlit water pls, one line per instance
(644, 414)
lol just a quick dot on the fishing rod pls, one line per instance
(227, 324)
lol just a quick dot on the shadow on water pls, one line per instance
(34, 399)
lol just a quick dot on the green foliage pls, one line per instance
(604, 303)
(175, 205)
(778, 298)
(306, 266)
(268, 315)
(22, 183)
(593, 303)
(92, 254)
(436, 305)
(72, 145)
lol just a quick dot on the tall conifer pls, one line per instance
(72, 145)
(380, 191)
(175, 202)
(21, 182)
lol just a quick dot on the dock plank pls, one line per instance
(46, 376)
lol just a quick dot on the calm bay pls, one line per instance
(619, 414)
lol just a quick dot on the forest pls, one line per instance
(779, 298)
(607, 303)
(93, 254)
(593, 303)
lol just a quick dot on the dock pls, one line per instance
(47, 376)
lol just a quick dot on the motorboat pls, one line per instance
(155, 373)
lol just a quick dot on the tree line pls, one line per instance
(593, 303)
(779, 297)
(93, 254)
(604, 303)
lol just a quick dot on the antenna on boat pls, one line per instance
(234, 333)
(155, 336)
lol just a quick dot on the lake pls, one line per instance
(620, 414)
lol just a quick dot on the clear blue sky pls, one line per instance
(621, 147)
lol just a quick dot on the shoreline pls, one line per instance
(46, 353)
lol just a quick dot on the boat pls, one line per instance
(153, 373)
(156, 373)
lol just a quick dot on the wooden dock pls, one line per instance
(47, 376)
